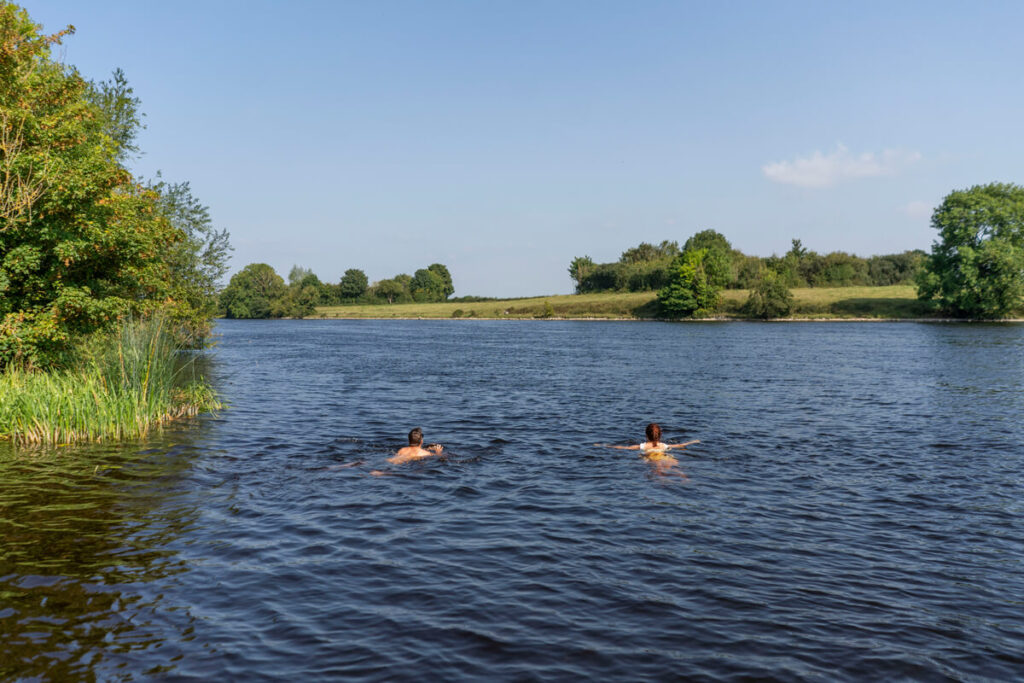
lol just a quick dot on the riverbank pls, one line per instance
(129, 383)
(898, 302)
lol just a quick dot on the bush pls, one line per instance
(769, 297)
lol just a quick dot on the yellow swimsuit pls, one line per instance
(656, 455)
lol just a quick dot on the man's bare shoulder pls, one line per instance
(412, 453)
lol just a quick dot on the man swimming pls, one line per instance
(415, 449)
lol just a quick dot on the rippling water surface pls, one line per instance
(854, 510)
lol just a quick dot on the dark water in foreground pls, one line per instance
(854, 511)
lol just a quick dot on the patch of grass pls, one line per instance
(125, 385)
(898, 301)
(605, 305)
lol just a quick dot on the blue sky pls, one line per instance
(504, 138)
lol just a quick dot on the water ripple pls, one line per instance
(853, 511)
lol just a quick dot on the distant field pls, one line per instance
(898, 301)
(830, 302)
(611, 305)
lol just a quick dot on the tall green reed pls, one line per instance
(125, 384)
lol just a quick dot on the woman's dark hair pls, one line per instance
(416, 437)
(654, 433)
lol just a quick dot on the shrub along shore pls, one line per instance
(86, 244)
(125, 384)
(897, 302)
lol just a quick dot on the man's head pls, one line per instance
(416, 437)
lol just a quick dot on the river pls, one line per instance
(855, 510)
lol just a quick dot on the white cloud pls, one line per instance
(825, 170)
(917, 210)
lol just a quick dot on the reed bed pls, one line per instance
(125, 385)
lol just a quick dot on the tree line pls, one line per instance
(84, 243)
(975, 268)
(257, 291)
(648, 267)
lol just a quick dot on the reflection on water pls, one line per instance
(81, 527)
(854, 510)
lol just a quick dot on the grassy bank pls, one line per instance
(126, 384)
(823, 302)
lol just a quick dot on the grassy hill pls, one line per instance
(820, 302)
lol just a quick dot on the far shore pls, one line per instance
(718, 319)
(897, 303)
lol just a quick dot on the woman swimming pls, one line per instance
(655, 451)
(653, 445)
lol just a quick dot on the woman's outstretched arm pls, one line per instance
(683, 445)
(621, 448)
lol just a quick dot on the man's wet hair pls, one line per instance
(416, 437)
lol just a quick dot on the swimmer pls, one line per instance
(653, 447)
(656, 452)
(415, 450)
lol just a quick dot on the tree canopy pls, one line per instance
(579, 269)
(718, 260)
(690, 290)
(253, 292)
(976, 267)
(197, 263)
(647, 267)
(441, 270)
(258, 292)
(426, 285)
(353, 284)
(82, 242)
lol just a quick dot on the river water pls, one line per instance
(854, 510)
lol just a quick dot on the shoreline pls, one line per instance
(897, 303)
(677, 320)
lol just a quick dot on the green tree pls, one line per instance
(579, 269)
(310, 279)
(644, 252)
(895, 269)
(121, 118)
(839, 269)
(255, 292)
(81, 243)
(305, 292)
(441, 270)
(748, 271)
(389, 290)
(297, 274)
(353, 284)
(976, 267)
(298, 301)
(405, 281)
(718, 260)
(769, 297)
(603, 277)
(197, 263)
(426, 285)
(794, 265)
(690, 291)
